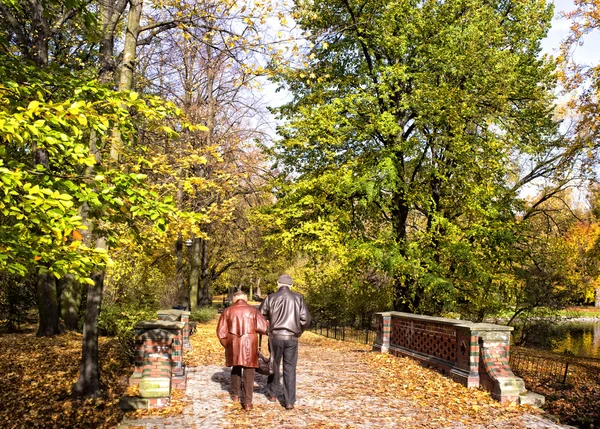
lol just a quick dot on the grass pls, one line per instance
(587, 311)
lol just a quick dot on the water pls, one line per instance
(581, 338)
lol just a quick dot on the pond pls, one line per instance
(580, 338)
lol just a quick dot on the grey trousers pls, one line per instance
(288, 350)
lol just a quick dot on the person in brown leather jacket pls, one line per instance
(288, 317)
(237, 330)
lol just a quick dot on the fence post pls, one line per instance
(566, 372)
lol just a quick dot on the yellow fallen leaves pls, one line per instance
(37, 375)
(206, 348)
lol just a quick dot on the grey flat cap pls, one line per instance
(285, 279)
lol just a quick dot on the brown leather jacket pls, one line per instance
(286, 312)
(237, 330)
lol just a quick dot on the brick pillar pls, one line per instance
(496, 375)
(185, 318)
(177, 352)
(159, 350)
(466, 369)
(384, 332)
(138, 357)
(178, 316)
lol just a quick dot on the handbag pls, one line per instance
(266, 365)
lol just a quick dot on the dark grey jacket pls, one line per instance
(287, 313)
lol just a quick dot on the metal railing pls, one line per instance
(365, 334)
(554, 370)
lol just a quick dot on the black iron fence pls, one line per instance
(362, 331)
(541, 368)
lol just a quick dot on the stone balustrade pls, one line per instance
(473, 354)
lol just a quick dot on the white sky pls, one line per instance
(588, 53)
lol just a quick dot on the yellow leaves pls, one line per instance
(33, 106)
(37, 377)
(77, 235)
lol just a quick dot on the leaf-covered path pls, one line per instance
(340, 385)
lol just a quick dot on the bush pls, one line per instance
(117, 321)
(204, 314)
(17, 298)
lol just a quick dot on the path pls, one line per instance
(342, 385)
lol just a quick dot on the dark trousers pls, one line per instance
(288, 350)
(239, 374)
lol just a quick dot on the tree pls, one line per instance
(581, 81)
(404, 144)
(210, 70)
(35, 30)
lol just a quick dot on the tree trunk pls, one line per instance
(597, 298)
(47, 296)
(47, 300)
(204, 296)
(181, 293)
(88, 384)
(195, 263)
(130, 45)
(41, 34)
(403, 299)
(70, 299)
(110, 16)
(258, 291)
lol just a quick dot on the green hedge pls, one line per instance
(204, 314)
(117, 321)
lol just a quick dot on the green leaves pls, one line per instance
(58, 118)
(400, 159)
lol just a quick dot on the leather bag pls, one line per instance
(266, 365)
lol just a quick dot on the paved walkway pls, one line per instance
(340, 387)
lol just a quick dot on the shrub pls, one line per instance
(17, 298)
(204, 314)
(117, 321)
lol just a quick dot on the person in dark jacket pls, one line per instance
(237, 330)
(288, 317)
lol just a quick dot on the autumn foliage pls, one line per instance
(37, 375)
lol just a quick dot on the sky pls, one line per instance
(588, 53)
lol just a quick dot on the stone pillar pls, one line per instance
(384, 331)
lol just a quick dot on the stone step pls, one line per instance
(533, 399)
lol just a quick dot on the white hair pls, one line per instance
(240, 295)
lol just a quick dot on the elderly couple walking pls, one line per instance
(283, 316)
